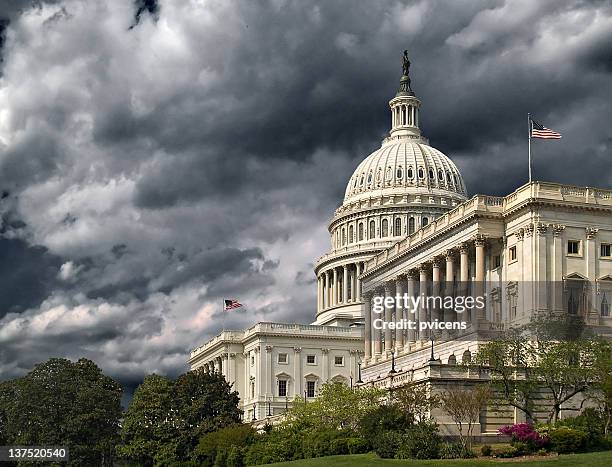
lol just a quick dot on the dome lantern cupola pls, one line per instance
(405, 108)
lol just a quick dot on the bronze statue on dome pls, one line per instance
(405, 64)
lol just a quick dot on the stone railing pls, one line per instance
(545, 191)
(480, 203)
(311, 330)
(364, 247)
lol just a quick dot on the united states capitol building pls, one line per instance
(408, 226)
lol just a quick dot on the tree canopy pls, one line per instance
(63, 403)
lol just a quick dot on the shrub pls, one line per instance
(565, 440)
(357, 445)
(455, 451)
(542, 452)
(592, 423)
(505, 453)
(525, 434)
(384, 418)
(388, 443)
(486, 450)
(235, 457)
(212, 443)
(422, 441)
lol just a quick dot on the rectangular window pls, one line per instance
(339, 360)
(496, 261)
(606, 250)
(311, 359)
(512, 253)
(282, 387)
(282, 358)
(310, 388)
(573, 247)
(252, 360)
(252, 389)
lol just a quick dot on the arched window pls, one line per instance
(448, 177)
(379, 175)
(467, 357)
(440, 175)
(350, 234)
(431, 174)
(605, 307)
(397, 231)
(372, 229)
(360, 231)
(411, 226)
(455, 178)
(452, 359)
(399, 173)
(421, 173)
(410, 173)
(361, 181)
(424, 221)
(355, 183)
(369, 178)
(385, 228)
(389, 174)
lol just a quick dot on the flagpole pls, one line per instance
(529, 138)
(223, 315)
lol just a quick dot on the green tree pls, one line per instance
(337, 407)
(166, 418)
(150, 427)
(65, 403)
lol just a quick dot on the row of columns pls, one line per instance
(339, 286)
(404, 115)
(215, 365)
(416, 281)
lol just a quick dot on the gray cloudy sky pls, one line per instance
(156, 157)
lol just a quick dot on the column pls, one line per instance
(335, 288)
(449, 313)
(435, 289)
(257, 371)
(367, 312)
(269, 382)
(318, 294)
(358, 282)
(345, 284)
(479, 243)
(410, 313)
(400, 334)
(297, 372)
(389, 291)
(326, 302)
(463, 277)
(423, 335)
(377, 333)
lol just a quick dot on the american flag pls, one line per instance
(229, 304)
(540, 131)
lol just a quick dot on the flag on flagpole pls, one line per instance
(540, 131)
(230, 304)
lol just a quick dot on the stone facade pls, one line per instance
(269, 364)
(543, 248)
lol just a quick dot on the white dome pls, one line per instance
(403, 166)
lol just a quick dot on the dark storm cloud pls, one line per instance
(28, 274)
(175, 154)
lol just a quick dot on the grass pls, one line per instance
(592, 459)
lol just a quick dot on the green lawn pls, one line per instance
(593, 459)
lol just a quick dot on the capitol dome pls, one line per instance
(404, 166)
(398, 189)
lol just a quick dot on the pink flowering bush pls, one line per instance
(525, 435)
